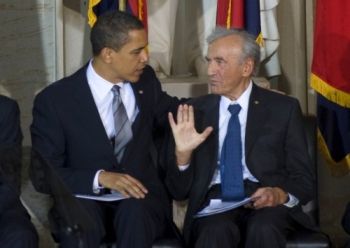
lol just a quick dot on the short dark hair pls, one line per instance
(112, 30)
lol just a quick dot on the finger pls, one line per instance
(190, 114)
(137, 183)
(206, 133)
(135, 192)
(124, 184)
(124, 193)
(260, 203)
(171, 121)
(185, 114)
(179, 114)
(132, 190)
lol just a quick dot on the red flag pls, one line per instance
(230, 13)
(330, 77)
(136, 7)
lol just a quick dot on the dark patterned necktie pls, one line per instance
(122, 125)
(231, 159)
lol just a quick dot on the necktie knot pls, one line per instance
(234, 109)
(116, 90)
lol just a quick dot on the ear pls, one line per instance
(106, 54)
(248, 67)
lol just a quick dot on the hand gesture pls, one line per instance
(123, 183)
(186, 136)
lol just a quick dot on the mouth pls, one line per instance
(139, 71)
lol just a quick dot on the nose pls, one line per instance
(144, 56)
(211, 68)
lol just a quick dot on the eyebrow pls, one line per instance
(138, 49)
(215, 58)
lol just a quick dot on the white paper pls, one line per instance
(217, 206)
(115, 196)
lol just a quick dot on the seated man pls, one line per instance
(16, 230)
(97, 127)
(252, 144)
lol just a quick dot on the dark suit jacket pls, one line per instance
(10, 142)
(68, 132)
(275, 148)
(346, 219)
(12, 211)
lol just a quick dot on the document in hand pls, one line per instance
(115, 196)
(217, 206)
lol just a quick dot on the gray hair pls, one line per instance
(250, 48)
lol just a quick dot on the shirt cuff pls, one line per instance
(96, 187)
(183, 167)
(292, 201)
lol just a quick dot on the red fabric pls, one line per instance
(134, 6)
(237, 13)
(331, 59)
(237, 10)
(221, 15)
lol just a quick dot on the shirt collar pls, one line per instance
(243, 100)
(98, 84)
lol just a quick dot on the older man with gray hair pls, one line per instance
(250, 143)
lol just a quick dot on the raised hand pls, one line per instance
(186, 136)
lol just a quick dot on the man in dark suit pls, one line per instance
(16, 230)
(75, 129)
(273, 160)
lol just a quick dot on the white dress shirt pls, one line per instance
(103, 96)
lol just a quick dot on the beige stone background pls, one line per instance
(42, 40)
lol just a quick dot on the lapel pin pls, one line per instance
(256, 102)
(140, 92)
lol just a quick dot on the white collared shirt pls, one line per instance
(103, 96)
(224, 117)
(101, 90)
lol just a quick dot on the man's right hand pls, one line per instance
(123, 183)
(185, 134)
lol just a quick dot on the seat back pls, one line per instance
(10, 165)
(67, 216)
(312, 207)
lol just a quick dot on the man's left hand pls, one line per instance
(269, 197)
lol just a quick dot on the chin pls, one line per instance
(133, 79)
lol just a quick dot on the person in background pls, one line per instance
(16, 230)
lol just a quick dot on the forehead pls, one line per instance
(137, 38)
(225, 46)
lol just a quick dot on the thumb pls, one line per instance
(204, 135)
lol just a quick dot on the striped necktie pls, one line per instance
(122, 125)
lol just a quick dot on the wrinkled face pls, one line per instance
(128, 63)
(228, 73)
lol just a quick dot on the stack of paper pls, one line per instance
(217, 206)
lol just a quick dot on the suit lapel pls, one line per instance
(90, 117)
(257, 115)
(208, 154)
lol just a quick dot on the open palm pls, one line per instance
(185, 134)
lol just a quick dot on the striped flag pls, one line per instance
(241, 14)
(330, 77)
(135, 7)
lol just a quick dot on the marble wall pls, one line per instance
(27, 52)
